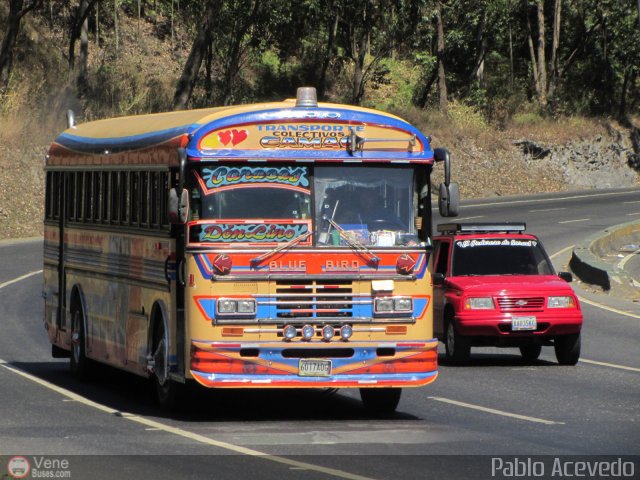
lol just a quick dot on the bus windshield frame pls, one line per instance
(243, 205)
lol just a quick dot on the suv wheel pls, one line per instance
(567, 348)
(457, 347)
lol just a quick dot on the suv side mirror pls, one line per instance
(566, 276)
(178, 207)
(438, 278)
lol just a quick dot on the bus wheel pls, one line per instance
(567, 349)
(530, 352)
(79, 363)
(457, 347)
(380, 400)
(167, 390)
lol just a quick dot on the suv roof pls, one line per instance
(458, 228)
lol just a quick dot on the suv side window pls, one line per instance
(442, 259)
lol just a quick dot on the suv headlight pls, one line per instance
(479, 303)
(561, 302)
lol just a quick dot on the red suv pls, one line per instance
(494, 285)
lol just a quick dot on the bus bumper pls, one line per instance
(279, 364)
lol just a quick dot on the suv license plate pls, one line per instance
(523, 323)
(309, 367)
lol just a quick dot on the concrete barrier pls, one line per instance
(589, 259)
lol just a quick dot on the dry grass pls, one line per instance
(21, 180)
(555, 131)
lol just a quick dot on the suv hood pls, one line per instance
(496, 284)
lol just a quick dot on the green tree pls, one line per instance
(17, 10)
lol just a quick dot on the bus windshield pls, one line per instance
(374, 206)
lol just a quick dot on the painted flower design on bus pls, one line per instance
(225, 176)
(228, 232)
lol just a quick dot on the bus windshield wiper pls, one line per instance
(353, 242)
(258, 260)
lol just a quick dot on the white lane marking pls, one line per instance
(634, 213)
(539, 200)
(470, 218)
(153, 424)
(632, 201)
(16, 280)
(576, 220)
(610, 309)
(611, 365)
(547, 209)
(496, 412)
(557, 254)
(624, 261)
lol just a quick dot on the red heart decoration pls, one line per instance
(225, 137)
(238, 136)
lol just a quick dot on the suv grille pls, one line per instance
(521, 304)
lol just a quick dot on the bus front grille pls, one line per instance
(315, 300)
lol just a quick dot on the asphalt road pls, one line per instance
(498, 406)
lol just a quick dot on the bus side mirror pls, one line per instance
(178, 206)
(449, 192)
(438, 278)
(449, 199)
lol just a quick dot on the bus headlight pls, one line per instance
(289, 332)
(345, 332)
(308, 331)
(393, 305)
(243, 307)
(247, 306)
(403, 304)
(327, 332)
(383, 305)
(226, 306)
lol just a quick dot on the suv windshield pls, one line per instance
(500, 256)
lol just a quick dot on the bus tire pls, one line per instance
(567, 348)
(79, 364)
(381, 401)
(457, 347)
(167, 391)
(531, 352)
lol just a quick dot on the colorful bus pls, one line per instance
(274, 245)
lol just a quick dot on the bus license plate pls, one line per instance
(523, 323)
(309, 367)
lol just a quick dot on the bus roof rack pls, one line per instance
(482, 227)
